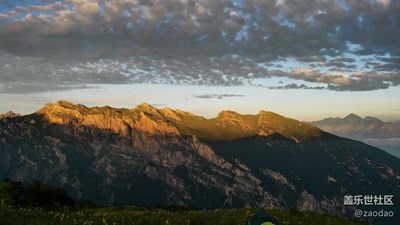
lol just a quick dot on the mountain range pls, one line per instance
(371, 130)
(152, 157)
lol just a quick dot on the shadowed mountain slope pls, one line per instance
(148, 156)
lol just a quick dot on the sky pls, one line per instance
(303, 59)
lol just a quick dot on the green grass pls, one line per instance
(10, 215)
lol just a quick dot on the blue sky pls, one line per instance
(303, 59)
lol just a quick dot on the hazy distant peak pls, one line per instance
(352, 116)
(367, 129)
(370, 118)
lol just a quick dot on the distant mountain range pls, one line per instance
(371, 130)
(147, 156)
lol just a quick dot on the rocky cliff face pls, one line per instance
(9, 114)
(149, 156)
(114, 156)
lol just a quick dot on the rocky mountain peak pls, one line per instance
(145, 105)
(61, 112)
(9, 114)
(65, 104)
(147, 108)
(263, 112)
(226, 114)
(172, 114)
(61, 107)
(228, 125)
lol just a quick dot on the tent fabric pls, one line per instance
(262, 218)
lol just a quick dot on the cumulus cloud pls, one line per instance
(192, 42)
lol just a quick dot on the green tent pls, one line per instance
(262, 218)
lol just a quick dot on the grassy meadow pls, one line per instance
(40, 204)
(11, 215)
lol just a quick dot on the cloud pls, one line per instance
(296, 86)
(76, 43)
(341, 64)
(360, 81)
(18, 72)
(342, 60)
(23, 88)
(390, 63)
(217, 96)
(300, 29)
